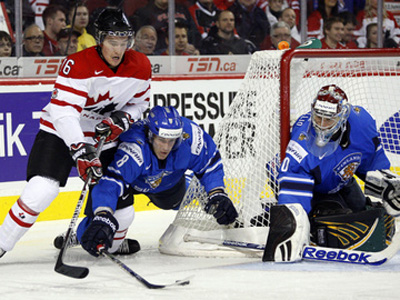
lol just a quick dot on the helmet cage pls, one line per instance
(329, 113)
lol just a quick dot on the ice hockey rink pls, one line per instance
(27, 272)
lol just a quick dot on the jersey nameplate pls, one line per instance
(197, 140)
(134, 151)
(296, 151)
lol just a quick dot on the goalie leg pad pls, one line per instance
(289, 232)
(364, 231)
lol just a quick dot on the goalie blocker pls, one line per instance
(331, 227)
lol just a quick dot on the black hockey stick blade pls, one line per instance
(140, 278)
(67, 270)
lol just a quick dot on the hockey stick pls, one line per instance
(143, 281)
(61, 267)
(317, 253)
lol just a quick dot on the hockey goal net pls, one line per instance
(278, 87)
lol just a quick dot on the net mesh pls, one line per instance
(249, 139)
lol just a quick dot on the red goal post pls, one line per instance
(279, 86)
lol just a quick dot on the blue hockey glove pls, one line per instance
(221, 207)
(100, 233)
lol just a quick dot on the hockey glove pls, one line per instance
(100, 233)
(385, 185)
(113, 126)
(221, 207)
(87, 162)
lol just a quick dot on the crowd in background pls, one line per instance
(62, 27)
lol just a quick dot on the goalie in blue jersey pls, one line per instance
(319, 198)
(152, 160)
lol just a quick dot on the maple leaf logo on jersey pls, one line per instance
(99, 105)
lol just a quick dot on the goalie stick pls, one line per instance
(61, 267)
(138, 277)
(316, 253)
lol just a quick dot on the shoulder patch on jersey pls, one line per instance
(356, 109)
(197, 140)
(347, 167)
(134, 151)
(296, 151)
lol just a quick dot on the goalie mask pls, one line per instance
(165, 122)
(329, 113)
(113, 22)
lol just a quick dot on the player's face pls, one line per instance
(324, 123)
(162, 146)
(113, 49)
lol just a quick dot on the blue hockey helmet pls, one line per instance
(165, 122)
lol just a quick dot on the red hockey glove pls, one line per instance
(113, 126)
(86, 161)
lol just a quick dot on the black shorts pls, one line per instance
(49, 158)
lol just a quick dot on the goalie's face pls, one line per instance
(162, 146)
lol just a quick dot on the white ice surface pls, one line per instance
(27, 272)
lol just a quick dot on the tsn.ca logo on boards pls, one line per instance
(210, 65)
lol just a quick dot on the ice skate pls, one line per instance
(128, 247)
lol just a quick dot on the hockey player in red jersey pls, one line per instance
(108, 84)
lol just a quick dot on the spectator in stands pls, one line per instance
(181, 41)
(54, 20)
(222, 38)
(204, 14)
(289, 16)
(333, 32)
(325, 10)
(273, 11)
(146, 40)
(251, 21)
(280, 31)
(5, 44)
(33, 41)
(155, 13)
(369, 15)
(350, 23)
(372, 36)
(38, 8)
(67, 40)
(79, 16)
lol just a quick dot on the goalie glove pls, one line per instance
(385, 185)
(221, 207)
(100, 233)
(86, 161)
(113, 126)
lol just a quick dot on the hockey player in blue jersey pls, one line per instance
(152, 159)
(328, 146)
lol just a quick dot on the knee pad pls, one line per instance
(40, 192)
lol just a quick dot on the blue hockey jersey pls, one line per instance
(303, 173)
(135, 164)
